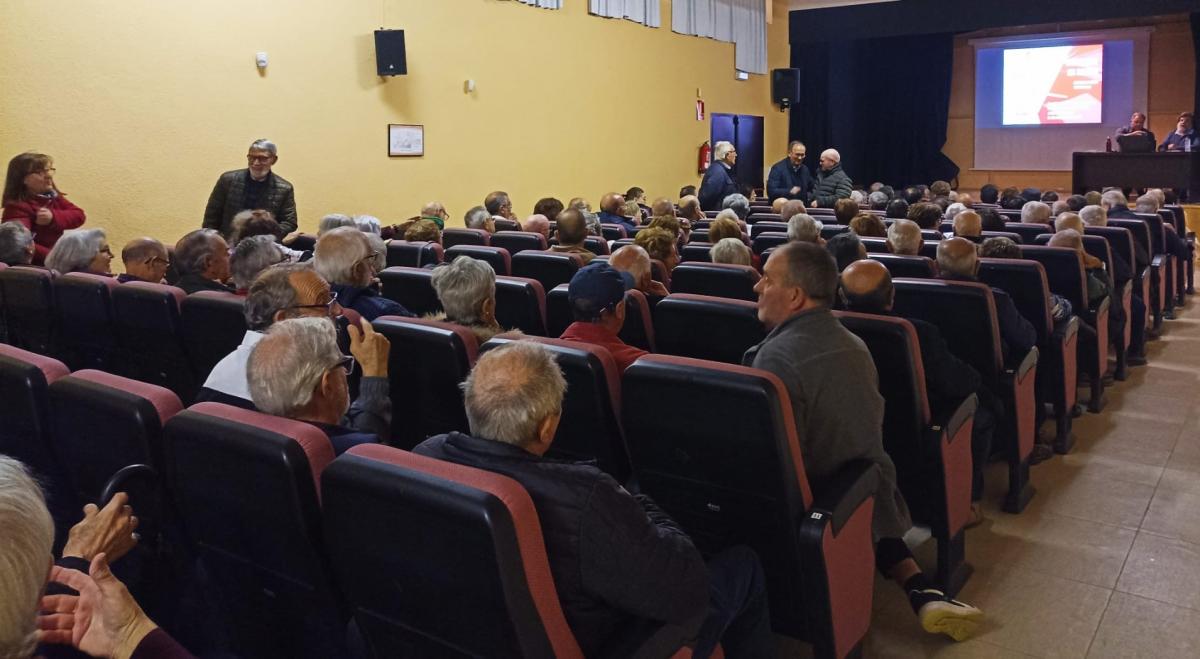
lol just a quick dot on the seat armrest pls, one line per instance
(1158, 261)
(650, 639)
(1027, 362)
(1069, 330)
(952, 422)
(119, 482)
(844, 492)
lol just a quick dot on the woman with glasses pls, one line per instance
(81, 250)
(31, 198)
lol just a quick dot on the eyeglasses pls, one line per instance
(165, 262)
(259, 158)
(328, 306)
(347, 364)
(369, 258)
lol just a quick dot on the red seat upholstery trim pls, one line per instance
(165, 402)
(612, 374)
(467, 336)
(51, 368)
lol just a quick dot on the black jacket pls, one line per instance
(832, 184)
(948, 379)
(1017, 335)
(615, 557)
(195, 283)
(717, 184)
(783, 177)
(228, 198)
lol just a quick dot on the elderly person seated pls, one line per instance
(368, 224)
(81, 250)
(250, 257)
(344, 258)
(777, 205)
(846, 248)
(739, 204)
(968, 224)
(730, 250)
(479, 218)
(16, 244)
(615, 558)
(868, 225)
(571, 232)
(296, 371)
(1098, 283)
(1094, 216)
(1035, 212)
(662, 207)
(466, 287)
(904, 237)
(537, 223)
(635, 261)
(660, 244)
(435, 212)
(202, 262)
(845, 210)
(597, 297)
(1059, 207)
(804, 228)
(262, 224)
(896, 209)
(549, 207)
(423, 231)
(999, 247)
(1069, 220)
(689, 208)
(926, 215)
(612, 211)
(723, 227)
(334, 221)
(953, 210)
(991, 219)
(958, 260)
(878, 200)
(145, 259)
(792, 208)
(499, 205)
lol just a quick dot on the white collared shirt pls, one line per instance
(229, 375)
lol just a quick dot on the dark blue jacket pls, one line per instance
(368, 303)
(718, 183)
(1017, 335)
(609, 218)
(783, 177)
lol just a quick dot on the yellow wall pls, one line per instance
(143, 102)
(1170, 88)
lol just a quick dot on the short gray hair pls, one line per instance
(75, 250)
(286, 365)
(270, 293)
(738, 203)
(1094, 216)
(878, 200)
(730, 250)
(954, 209)
(251, 256)
(1035, 212)
(15, 240)
(463, 285)
(722, 149)
(263, 144)
(337, 254)
(334, 221)
(804, 228)
(729, 214)
(367, 224)
(379, 247)
(511, 390)
(832, 154)
(1113, 198)
(194, 250)
(905, 237)
(24, 557)
(1146, 204)
(476, 218)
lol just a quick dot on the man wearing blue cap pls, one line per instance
(597, 297)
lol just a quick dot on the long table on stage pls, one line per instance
(1096, 170)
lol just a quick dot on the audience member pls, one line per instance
(571, 232)
(580, 204)
(958, 260)
(966, 200)
(790, 209)
(1049, 197)
(926, 215)
(611, 211)
(858, 196)
(479, 218)
(634, 260)
(687, 191)
(660, 245)
(777, 205)
(896, 209)
(435, 212)
(145, 259)
(789, 178)
(537, 223)
(499, 205)
(16, 244)
(953, 210)
(81, 250)
(1146, 204)
(999, 247)
(804, 228)
(718, 182)
(868, 225)
(32, 199)
(250, 257)
(878, 200)
(1092, 197)
(739, 204)
(968, 224)
(367, 224)
(662, 208)
(832, 183)
(913, 195)
(904, 238)
(1059, 207)
(991, 220)
(334, 221)
(255, 223)
(1035, 212)
(344, 258)
(1098, 283)
(846, 248)
(845, 210)
(1012, 202)
(466, 287)
(254, 187)
(423, 231)
(989, 194)
(1069, 221)
(810, 351)
(548, 207)
(723, 227)
(202, 262)
(1076, 202)
(689, 209)
(597, 297)
(730, 250)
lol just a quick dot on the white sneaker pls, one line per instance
(950, 617)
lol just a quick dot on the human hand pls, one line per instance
(290, 238)
(656, 288)
(103, 620)
(813, 204)
(44, 216)
(108, 530)
(795, 190)
(370, 349)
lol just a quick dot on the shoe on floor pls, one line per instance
(1135, 360)
(950, 617)
(1040, 454)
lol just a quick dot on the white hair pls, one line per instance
(1035, 212)
(75, 250)
(15, 241)
(832, 154)
(1113, 199)
(722, 149)
(251, 256)
(375, 241)
(803, 227)
(738, 203)
(263, 144)
(1094, 216)
(463, 285)
(287, 364)
(337, 255)
(333, 221)
(24, 557)
(905, 237)
(954, 209)
(511, 390)
(477, 218)
(1146, 204)
(367, 224)
(730, 250)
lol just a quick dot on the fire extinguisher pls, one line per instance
(705, 157)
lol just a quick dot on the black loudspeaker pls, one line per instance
(390, 59)
(785, 86)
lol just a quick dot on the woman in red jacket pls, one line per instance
(31, 199)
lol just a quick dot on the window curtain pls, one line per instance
(544, 4)
(645, 12)
(743, 22)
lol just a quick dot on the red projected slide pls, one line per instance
(1053, 85)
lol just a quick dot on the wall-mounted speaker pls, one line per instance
(785, 87)
(390, 59)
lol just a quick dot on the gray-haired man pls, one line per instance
(252, 188)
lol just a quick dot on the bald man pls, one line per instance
(145, 259)
(958, 260)
(636, 261)
(435, 212)
(867, 286)
(968, 224)
(832, 183)
(610, 211)
(537, 223)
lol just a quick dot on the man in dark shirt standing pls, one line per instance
(789, 178)
(718, 180)
(616, 558)
(252, 188)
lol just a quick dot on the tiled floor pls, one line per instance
(1105, 561)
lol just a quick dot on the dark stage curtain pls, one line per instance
(1196, 52)
(882, 103)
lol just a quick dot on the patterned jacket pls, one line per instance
(227, 197)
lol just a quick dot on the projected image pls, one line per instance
(1053, 85)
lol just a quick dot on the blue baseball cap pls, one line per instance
(597, 287)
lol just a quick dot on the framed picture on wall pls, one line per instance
(406, 140)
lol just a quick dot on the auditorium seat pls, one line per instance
(411, 287)
(638, 329)
(417, 520)
(705, 327)
(696, 252)
(612, 231)
(931, 235)
(1025, 283)
(29, 308)
(25, 379)
(760, 227)
(716, 447)
(414, 254)
(830, 230)
(875, 245)
(618, 244)
(497, 257)
(303, 242)
(902, 265)
(1027, 232)
(505, 225)
(699, 236)
(1011, 235)
(716, 279)
(597, 245)
(212, 325)
(518, 241)
(1156, 302)
(247, 489)
(768, 239)
(83, 314)
(760, 216)
(550, 268)
(965, 312)
(590, 427)
(1120, 244)
(1158, 242)
(930, 448)
(461, 236)
(521, 304)
(427, 361)
(711, 214)
(820, 212)
(148, 327)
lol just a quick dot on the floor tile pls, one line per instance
(1112, 502)
(1135, 627)
(1163, 569)
(1065, 547)
(1183, 480)
(1175, 514)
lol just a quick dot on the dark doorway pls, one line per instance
(745, 131)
